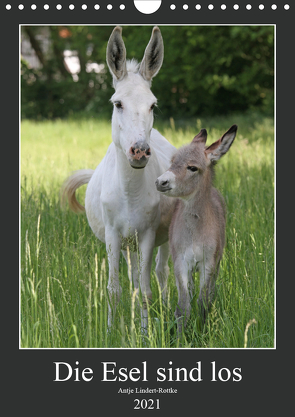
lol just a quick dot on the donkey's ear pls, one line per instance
(201, 137)
(222, 145)
(153, 56)
(116, 55)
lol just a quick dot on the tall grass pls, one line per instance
(64, 268)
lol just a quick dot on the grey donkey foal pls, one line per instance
(197, 230)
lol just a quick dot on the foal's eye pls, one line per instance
(153, 106)
(192, 168)
(118, 104)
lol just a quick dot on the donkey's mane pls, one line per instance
(132, 65)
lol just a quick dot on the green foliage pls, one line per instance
(207, 70)
(218, 69)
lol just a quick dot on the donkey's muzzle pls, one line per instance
(139, 154)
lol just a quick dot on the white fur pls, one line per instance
(122, 203)
(132, 65)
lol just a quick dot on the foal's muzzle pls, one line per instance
(163, 185)
(139, 154)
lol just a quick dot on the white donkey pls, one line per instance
(122, 204)
(197, 230)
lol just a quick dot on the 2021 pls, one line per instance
(149, 404)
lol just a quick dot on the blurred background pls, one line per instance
(207, 70)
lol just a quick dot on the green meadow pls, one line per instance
(64, 269)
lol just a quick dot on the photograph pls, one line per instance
(147, 186)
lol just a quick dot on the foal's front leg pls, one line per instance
(113, 246)
(184, 283)
(208, 275)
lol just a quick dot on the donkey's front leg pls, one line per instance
(113, 246)
(133, 258)
(162, 268)
(146, 245)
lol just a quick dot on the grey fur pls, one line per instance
(197, 230)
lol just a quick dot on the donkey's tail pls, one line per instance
(70, 186)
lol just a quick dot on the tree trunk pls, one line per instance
(35, 45)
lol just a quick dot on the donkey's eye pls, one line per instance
(118, 104)
(192, 168)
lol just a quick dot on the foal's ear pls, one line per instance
(116, 55)
(153, 56)
(222, 145)
(201, 137)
